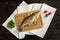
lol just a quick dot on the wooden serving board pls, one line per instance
(21, 16)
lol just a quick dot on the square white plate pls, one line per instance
(46, 20)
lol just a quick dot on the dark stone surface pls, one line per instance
(8, 6)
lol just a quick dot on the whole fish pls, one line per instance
(28, 20)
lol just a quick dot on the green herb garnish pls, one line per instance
(11, 24)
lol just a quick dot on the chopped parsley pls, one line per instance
(11, 24)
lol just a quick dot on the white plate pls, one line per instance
(46, 20)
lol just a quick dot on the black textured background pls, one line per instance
(8, 6)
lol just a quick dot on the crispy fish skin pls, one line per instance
(20, 19)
